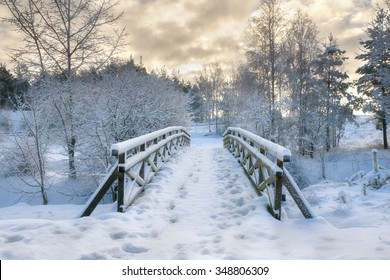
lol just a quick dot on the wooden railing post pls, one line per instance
(142, 170)
(278, 191)
(121, 181)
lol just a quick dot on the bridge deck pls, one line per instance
(205, 196)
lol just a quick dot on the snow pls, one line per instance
(202, 206)
(125, 146)
(280, 152)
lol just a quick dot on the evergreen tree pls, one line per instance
(6, 84)
(374, 81)
(301, 50)
(335, 100)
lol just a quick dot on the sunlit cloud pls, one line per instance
(176, 33)
(346, 20)
(185, 34)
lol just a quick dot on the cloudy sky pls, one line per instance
(184, 34)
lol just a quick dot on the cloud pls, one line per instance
(346, 20)
(176, 33)
(186, 34)
(171, 33)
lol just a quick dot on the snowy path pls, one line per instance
(200, 206)
(204, 195)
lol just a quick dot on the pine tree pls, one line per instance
(6, 85)
(335, 100)
(374, 81)
(301, 51)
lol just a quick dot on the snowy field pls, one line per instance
(201, 206)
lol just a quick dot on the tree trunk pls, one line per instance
(327, 140)
(384, 129)
(71, 155)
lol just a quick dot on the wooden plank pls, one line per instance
(253, 183)
(153, 162)
(271, 199)
(258, 155)
(129, 201)
(121, 182)
(297, 196)
(278, 190)
(265, 183)
(101, 191)
(136, 177)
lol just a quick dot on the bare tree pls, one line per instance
(64, 37)
(265, 36)
(301, 50)
(124, 102)
(211, 84)
(26, 158)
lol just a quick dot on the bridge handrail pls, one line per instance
(140, 156)
(253, 152)
(274, 149)
(124, 146)
(138, 160)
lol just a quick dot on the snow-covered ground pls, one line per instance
(201, 206)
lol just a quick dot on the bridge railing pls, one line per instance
(263, 162)
(139, 159)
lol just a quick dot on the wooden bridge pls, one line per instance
(139, 159)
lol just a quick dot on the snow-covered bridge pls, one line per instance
(139, 159)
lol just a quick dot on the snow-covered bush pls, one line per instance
(124, 102)
(343, 197)
(375, 179)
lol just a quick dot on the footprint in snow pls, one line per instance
(171, 205)
(94, 256)
(118, 235)
(173, 220)
(235, 191)
(239, 202)
(132, 249)
(14, 238)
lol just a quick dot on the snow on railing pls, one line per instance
(139, 159)
(263, 162)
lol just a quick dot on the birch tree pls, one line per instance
(64, 37)
(211, 85)
(27, 157)
(301, 50)
(263, 51)
(125, 102)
